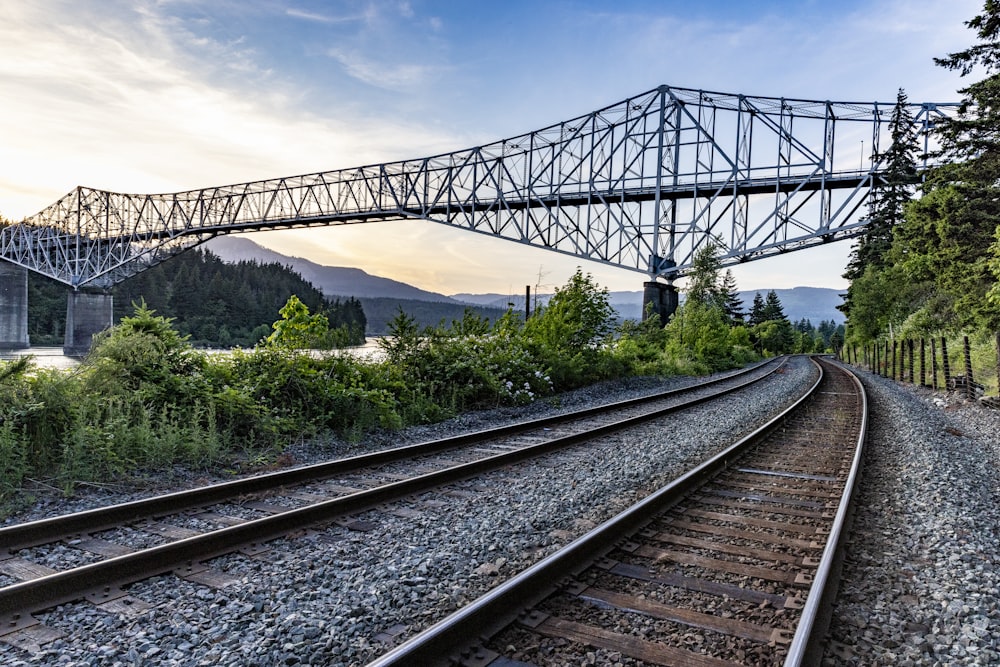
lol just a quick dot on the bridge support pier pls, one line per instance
(13, 307)
(663, 298)
(87, 313)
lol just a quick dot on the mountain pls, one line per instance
(816, 304)
(628, 305)
(381, 298)
(331, 280)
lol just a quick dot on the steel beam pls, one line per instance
(640, 185)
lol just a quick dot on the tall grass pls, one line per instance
(144, 399)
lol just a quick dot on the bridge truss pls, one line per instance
(641, 185)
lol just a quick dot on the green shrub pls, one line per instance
(145, 399)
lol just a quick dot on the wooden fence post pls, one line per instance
(970, 391)
(923, 368)
(934, 383)
(998, 362)
(944, 362)
(909, 354)
(902, 356)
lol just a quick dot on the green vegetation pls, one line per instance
(928, 265)
(146, 399)
(380, 312)
(214, 303)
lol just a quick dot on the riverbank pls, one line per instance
(44, 357)
(53, 357)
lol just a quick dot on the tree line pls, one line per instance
(928, 263)
(215, 303)
(712, 313)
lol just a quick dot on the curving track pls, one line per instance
(186, 528)
(731, 564)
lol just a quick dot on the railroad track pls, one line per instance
(182, 530)
(731, 564)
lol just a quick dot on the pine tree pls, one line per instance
(757, 310)
(887, 201)
(971, 140)
(890, 197)
(773, 310)
(730, 298)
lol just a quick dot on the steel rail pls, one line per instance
(448, 641)
(805, 648)
(19, 600)
(20, 536)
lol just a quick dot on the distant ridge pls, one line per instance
(381, 298)
(816, 304)
(331, 280)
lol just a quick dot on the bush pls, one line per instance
(298, 394)
(145, 398)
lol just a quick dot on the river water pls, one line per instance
(53, 357)
(44, 357)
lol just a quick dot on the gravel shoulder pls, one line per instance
(339, 596)
(919, 587)
(920, 581)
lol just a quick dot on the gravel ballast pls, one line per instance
(339, 596)
(920, 581)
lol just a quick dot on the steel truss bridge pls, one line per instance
(640, 185)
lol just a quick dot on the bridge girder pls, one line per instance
(640, 185)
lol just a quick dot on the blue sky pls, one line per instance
(159, 96)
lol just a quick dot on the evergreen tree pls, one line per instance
(757, 314)
(890, 197)
(771, 330)
(773, 310)
(972, 141)
(731, 303)
(826, 329)
(887, 201)
(972, 138)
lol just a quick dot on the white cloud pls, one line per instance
(390, 76)
(127, 96)
(83, 106)
(322, 18)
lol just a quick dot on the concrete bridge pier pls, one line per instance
(664, 299)
(87, 313)
(13, 306)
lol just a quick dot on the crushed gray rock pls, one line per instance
(920, 586)
(921, 583)
(338, 596)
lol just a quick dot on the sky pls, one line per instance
(150, 96)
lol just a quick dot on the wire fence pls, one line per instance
(967, 364)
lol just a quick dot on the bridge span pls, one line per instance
(642, 184)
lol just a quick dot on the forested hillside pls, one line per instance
(380, 312)
(927, 268)
(216, 303)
